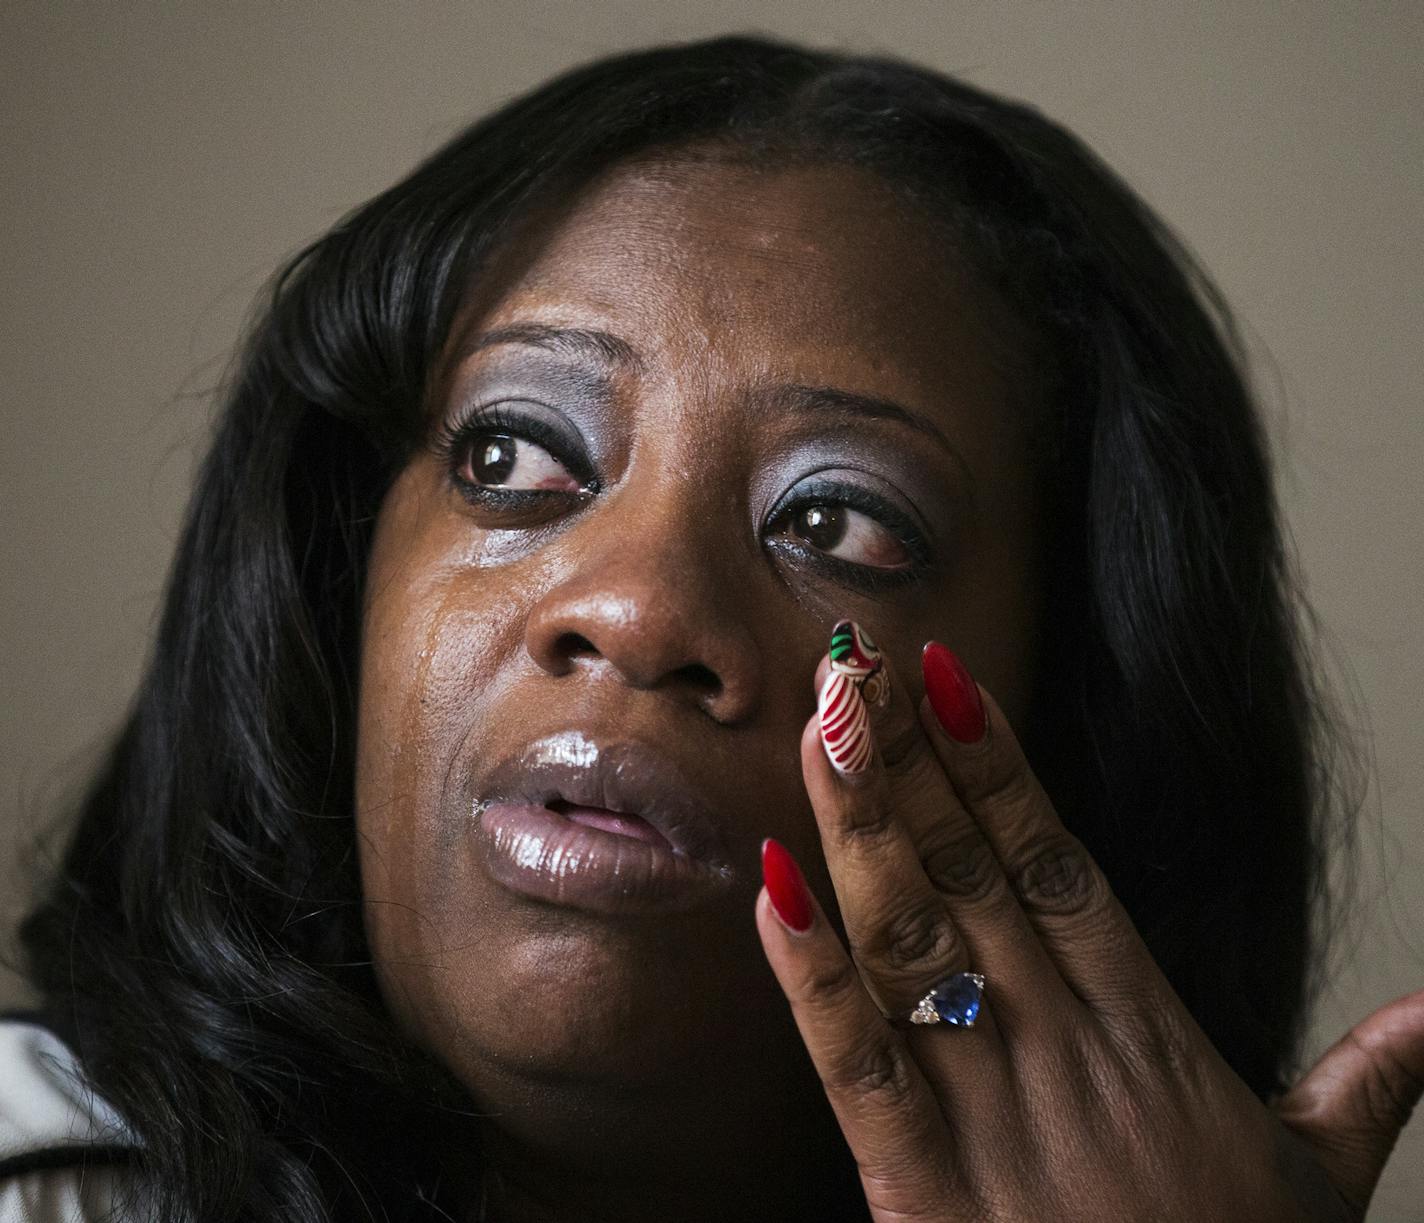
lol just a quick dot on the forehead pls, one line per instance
(819, 264)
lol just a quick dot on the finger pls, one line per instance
(905, 857)
(901, 935)
(916, 778)
(890, 1117)
(1357, 1098)
(1066, 897)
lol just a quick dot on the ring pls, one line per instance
(954, 1000)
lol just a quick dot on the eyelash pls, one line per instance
(867, 577)
(453, 439)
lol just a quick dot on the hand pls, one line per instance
(1085, 1090)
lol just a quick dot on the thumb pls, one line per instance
(1354, 1102)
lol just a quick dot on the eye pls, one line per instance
(849, 535)
(504, 460)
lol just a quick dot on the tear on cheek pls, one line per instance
(489, 549)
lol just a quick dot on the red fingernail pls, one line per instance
(954, 696)
(787, 889)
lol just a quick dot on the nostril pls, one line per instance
(640, 672)
(571, 645)
(703, 678)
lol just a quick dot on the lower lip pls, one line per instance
(541, 854)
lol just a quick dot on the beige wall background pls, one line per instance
(160, 160)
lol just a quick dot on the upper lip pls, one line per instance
(627, 777)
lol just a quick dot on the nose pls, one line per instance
(649, 599)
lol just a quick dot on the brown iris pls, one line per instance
(823, 526)
(492, 460)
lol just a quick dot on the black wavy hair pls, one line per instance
(201, 944)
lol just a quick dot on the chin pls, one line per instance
(576, 1000)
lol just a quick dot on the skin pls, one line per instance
(648, 1066)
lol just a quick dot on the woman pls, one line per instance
(612, 515)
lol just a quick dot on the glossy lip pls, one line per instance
(538, 852)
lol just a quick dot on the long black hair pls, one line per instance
(202, 945)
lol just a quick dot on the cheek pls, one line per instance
(994, 627)
(433, 637)
(994, 610)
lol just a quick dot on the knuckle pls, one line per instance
(1391, 1089)
(831, 985)
(905, 756)
(964, 868)
(1165, 1050)
(910, 940)
(1126, 1082)
(1087, 1071)
(1060, 879)
(900, 747)
(1006, 788)
(867, 824)
(875, 1068)
(865, 818)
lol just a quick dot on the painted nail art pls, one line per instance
(845, 724)
(853, 654)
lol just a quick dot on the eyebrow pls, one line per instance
(795, 397)
(613, 351)
(584, 342)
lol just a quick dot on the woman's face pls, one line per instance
(689, 421)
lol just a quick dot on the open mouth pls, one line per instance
(592, 858)
(617, 822)
(559, 824)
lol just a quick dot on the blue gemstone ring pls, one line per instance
(954, 1000)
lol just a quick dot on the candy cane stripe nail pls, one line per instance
(853, 653)
(845, 724)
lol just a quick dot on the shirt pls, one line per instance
(62, 1147)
